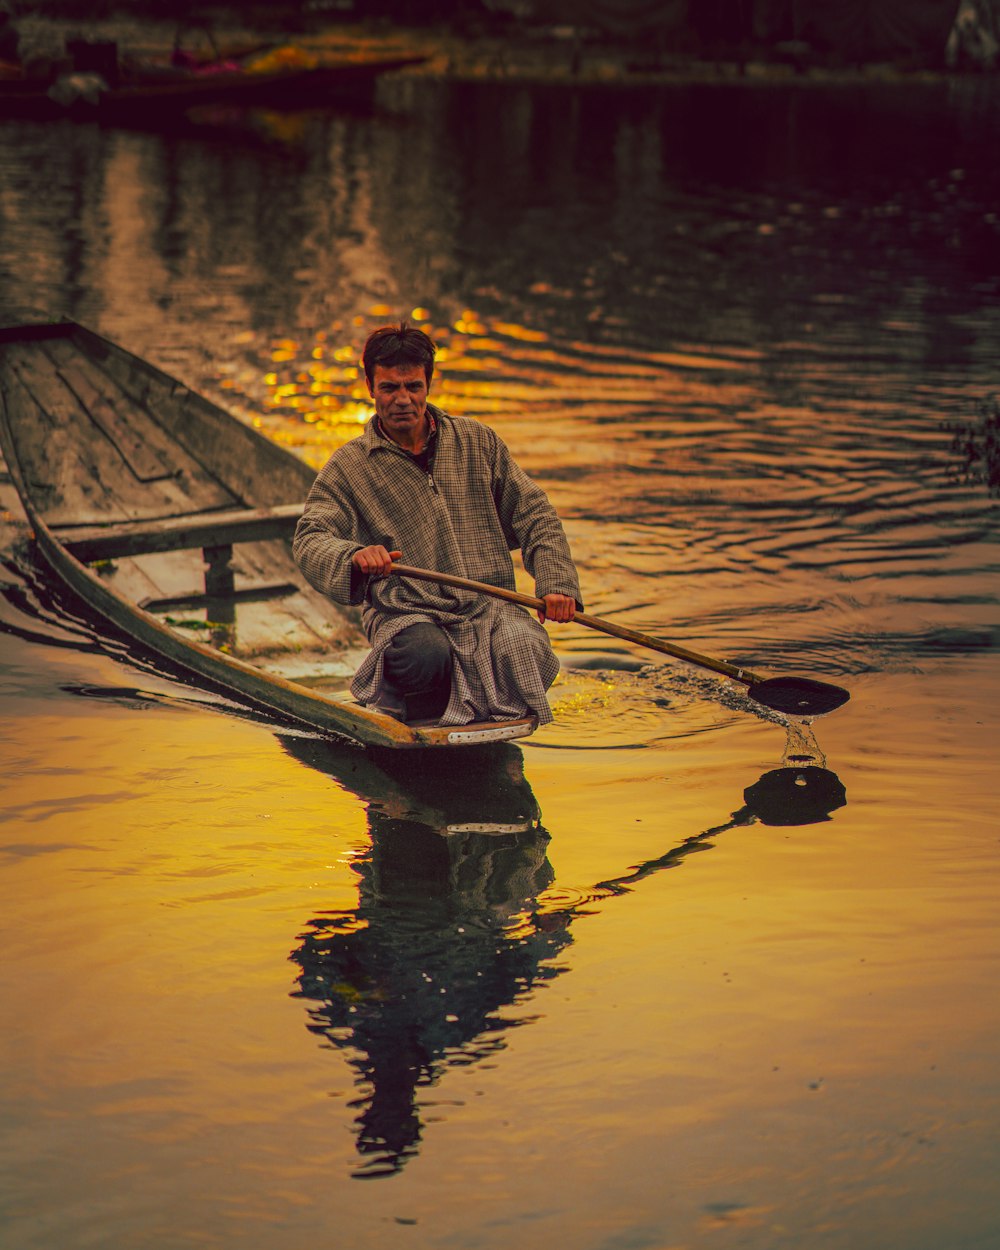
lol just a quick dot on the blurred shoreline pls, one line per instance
(542, 55)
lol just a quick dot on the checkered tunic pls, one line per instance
(464, 517)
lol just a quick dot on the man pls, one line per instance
(446, 491)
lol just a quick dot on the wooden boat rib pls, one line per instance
(172, 521)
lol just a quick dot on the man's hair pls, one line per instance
(393, 346)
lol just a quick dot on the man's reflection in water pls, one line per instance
(446, 933)
(453, 924)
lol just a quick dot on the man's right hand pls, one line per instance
(374, 561)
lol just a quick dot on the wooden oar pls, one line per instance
(799, 696)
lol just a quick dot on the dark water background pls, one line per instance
(730, 330)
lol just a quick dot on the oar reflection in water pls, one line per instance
(803, 791)
(786, 796)
(457, 921)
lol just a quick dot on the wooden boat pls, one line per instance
(149, 93)
(172, 521)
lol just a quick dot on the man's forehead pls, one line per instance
(398, 373)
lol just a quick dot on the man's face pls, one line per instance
(400, 395)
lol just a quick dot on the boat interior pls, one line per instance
(175, 509)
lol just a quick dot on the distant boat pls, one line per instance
(149, 92)
(171, 520)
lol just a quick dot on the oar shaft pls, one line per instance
(592, 622)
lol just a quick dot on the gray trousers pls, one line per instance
(417, 671)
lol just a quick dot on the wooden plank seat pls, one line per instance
(247, 594)
(214, 532)
(207, 530)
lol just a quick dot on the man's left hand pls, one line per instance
(561, 608)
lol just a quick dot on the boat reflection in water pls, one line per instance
(452, 925)
(443, 937)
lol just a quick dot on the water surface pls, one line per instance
(647, 980)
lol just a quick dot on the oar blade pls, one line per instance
(799, 696)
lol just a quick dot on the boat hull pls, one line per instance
(159, 97)
(66, 509)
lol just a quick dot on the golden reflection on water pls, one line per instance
(320, 383)
(652, 973)
(652, 415)
(705, 1021)
(226, 952)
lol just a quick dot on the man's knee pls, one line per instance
(418, 659)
